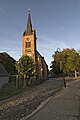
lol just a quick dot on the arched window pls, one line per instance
(28, 44)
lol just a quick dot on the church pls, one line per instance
(29, 48)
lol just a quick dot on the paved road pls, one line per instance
(64, 106)
(26, 102)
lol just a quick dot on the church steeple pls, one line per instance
(29, 39)
(28, 30)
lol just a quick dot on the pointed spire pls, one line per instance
(29, 25)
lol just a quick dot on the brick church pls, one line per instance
(29, 48)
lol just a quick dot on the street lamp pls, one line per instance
(58, 50)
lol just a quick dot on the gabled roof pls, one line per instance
(3, 72)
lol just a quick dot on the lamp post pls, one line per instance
(58, 50)
(64, 80)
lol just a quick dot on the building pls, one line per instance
(4, 77)
(29, 48)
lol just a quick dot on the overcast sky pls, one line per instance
(57, 24)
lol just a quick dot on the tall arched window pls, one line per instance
(28, 44)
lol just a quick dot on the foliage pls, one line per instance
(26, 66)
(67, 60)
(56, 69)
(8, 62)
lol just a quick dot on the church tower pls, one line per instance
(29, 48)
(29, 40)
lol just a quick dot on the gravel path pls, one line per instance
(24, 103)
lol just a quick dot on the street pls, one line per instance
(63, 106)
(25, 103)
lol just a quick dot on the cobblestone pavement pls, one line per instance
(64, 106)
(24, 103)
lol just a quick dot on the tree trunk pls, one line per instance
(64, 80)
(24, 80)
(75, 74)
(17, 81)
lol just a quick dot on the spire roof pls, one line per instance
(29, 24)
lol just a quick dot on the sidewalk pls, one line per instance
(64, 106)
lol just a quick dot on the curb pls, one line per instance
(38, 108)
(45, 102)
(41, 105)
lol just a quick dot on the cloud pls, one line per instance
(9, 49)
(51, 43)
(47, 46)
(10, 42)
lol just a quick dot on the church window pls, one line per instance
(28, 45)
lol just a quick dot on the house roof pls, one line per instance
(3, 72)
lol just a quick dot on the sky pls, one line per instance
(57, 24)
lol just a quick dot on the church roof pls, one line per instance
(28, 29)
(41, 57)
(3, 72)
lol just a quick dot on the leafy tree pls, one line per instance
(67, 60)
(55, 70)
(8, 62)
(25, 67)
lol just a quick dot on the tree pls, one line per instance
(55, 70)
(8, 62)
(25, 67)
(68, 60)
